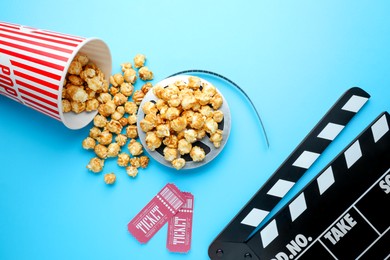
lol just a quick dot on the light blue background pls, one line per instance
(293, 58)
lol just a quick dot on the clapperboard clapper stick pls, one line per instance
(231, 242)
(343, 212)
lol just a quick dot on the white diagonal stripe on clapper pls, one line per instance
(325, 180)
(306, 159)
(254, 217)
(330, 131)
(380, 128)
(297, 207)
(353, 154)
(280, 188)
(355, 103)
(269, 233)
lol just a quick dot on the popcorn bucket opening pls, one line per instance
(34, 64)
(98, 53)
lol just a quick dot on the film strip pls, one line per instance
(231, 243)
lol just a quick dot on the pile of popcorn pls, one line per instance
(115, 124)
(183, 114)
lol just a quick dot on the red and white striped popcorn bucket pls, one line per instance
(34, 64)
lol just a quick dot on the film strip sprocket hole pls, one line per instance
(231, 242)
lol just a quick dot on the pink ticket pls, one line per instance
(180, 227)
(156, 213)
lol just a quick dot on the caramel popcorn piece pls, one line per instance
(135, 161)
(132, 119)
(178, 163)
(216, 138)
(163, 130)
(146, 87)
(145, 74)
(126, 66)
(75, 80)
(94, 132)
(66, 106)
(184, 147)
(76, 93)
(75, 67)
(135, 148)
(146, 125)
(104, 97)
(149, 108)
(171, 141)
(116, 79)
(104, 138)
(139, 60)
(216, 101)
(77, 107)
(100, 121)
(101, 151)
(152, 141)
(126, 89)
(210, 126)
(170, 154)
(95, 165)
(91, 105)
(138, 96)
(179, 124)
(119, 99)
(113, 150)
(131, 107)
(190, 135)
(121, 139)
(130, 76)
(144, 161)
(197, 154)
(194, 83)
(123, 159)
(114, 126)
(109, 178)
(131, 131)
(89, 143)
(131, 171)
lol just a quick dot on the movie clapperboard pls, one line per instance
(343, 213)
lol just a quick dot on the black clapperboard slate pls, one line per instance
(341, 214)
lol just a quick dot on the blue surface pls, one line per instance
(293, 58)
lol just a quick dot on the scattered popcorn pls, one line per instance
(113, 150)
(95, 165)
(144, 161)
(89, 143)
(131, 171)
(100, 121)
(145, 73)
(114, 126)
(104, 138)
(109, 178)
(121, 139)
(139, 60)
(101, 151)
(135, 161)
(123, 159)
